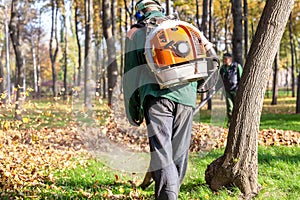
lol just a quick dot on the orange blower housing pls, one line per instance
(176, 53)
(167, 44)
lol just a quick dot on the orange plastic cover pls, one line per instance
(163, 49)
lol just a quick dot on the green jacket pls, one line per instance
(139, 81)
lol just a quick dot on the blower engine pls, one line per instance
(176, 52)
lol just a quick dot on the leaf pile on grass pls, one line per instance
(204, 137)
(29, 157)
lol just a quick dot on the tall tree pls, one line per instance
(7, 46)
(168, 7)
(204, 23)
(77, 29)
(237, 36)
(53, 51)
(239, 164)
(1, 72)
(15, 27)
(112, 69)
(65, 49)
(292, 55)
(88, 87)
(246, 35)
(298, 96)
(197, 15)
(275, 80)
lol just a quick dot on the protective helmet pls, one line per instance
(142, 4)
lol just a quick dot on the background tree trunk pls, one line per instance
(53, 36)
(237, 36)
(227, 32)
(78, 81)
(210, 37)
(1, 73)
(275, 80)
(298, 96)
(197, 15)
(88, 87)
(65, 52)
(15, 27)
(292, 55)
(7, 56)
(112, 70)
(246, 31)
(168, 7)
(239, 164)
(204, 23)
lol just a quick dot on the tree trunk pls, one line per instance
(35, 73)
(210, 37)
(246, 31)
(204, 23)
(1, 74)
(227, 32)
(65, 54)
(239, 164)
(88, 87)
(275, 80)
(53, 36)
(7, 57)
(14, 29)
(168, 7)
(197, 15)
(292, 55)
(237, 36)
(112, 71)
(78, 46)
(298, 96)
(39, 57)
(122, 49)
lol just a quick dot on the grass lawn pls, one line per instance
(278, 175)
(281, 116)
(88, 178)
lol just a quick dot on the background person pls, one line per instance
(231, 73)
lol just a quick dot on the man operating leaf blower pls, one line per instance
(165, 59)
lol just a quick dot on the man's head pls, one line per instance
(146, 5)
(227, 59)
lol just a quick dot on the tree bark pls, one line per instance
(168, 7)
(210, 37)
(227, 32)
(7, 63)
(246, 31)
(88, 87)
(292, 55)
(204, 23)
(15, 35)
(53, 36)
(237, 36)
(65, 52)
(275, 80)
(112, 71)
(78, 46)
(298, 96)
(197, 15)
(239, 164)
(1, 74)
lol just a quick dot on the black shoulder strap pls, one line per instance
(139, 25)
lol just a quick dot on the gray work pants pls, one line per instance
(169, 126)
